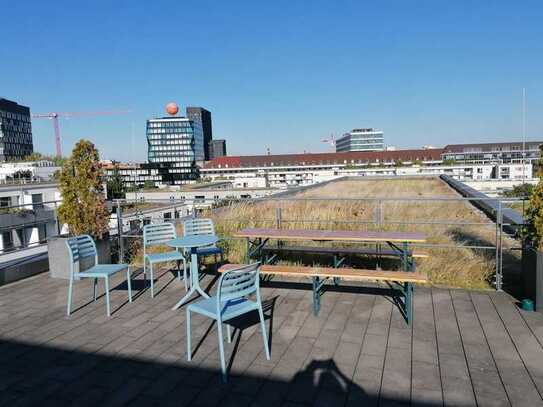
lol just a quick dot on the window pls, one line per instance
(37, 201)
(7, 240)
(5, 202)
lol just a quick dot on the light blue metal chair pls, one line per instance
(203, 226)
(155, 235)
(83, 247)
(232, 300)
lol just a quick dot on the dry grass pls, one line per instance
(458, 267)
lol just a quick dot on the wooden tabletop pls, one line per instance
(332, 235)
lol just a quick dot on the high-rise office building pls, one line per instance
(15, 131)
(217, 148)
(204, 116)
(175, 146)
(361, 140)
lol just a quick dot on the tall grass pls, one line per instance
(456, 267)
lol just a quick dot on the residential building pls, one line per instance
(361, 140)
(134, 175)
(28, 171)
(217, 148)
(27, 214)
(175, 147)
(284, 171)
(204, 116)
(15, 131)
(494, 153)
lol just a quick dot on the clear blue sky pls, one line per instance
(278, 74)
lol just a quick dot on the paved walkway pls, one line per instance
(466, 348)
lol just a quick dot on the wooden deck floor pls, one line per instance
(465, 348)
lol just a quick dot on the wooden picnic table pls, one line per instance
(257, 238)
(331, 235)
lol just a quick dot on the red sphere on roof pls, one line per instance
(172, 108)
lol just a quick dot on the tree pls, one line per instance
(115, 186)
(534, 213)
(58, 161)
(83, 206)
(519, 191)
(149, 185)
(20, 174)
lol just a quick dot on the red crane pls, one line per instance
(56, 125)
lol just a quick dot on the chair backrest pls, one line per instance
(158, 233)
(199, 226)
(239, 283)
(79, 248)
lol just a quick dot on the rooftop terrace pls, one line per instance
(465, 348)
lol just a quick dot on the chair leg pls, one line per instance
(70, 287)
(185, 275)
(189, 339)
(128, 281)
(144, 273)
(152, 280)
(95, 287)
(228, 333)
(221, 350)
(107, 297)
(264, 333)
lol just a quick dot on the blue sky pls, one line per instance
(278, 74)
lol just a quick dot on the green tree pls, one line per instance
(83, 206)
(534, 213)
(115, 186)
(149, 185)
(58, 161)
(519, 191)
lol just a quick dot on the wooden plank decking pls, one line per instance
(465, 348)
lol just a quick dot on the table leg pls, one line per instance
(194, 279)
(248, 249)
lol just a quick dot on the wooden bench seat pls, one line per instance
(404, 280)
(341, 250)
(348, 274)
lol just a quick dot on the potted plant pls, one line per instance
(83, 209)
(532, 254)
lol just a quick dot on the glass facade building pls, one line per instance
(175, 145)
(15, 131)
(204, 117)
(361, 140)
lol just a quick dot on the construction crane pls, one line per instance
(331, 140)
(56, 125)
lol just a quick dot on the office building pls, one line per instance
(493, 153)
(15, 131)
(217, 148)
(361, 140)
(204, 116)
(175, 147)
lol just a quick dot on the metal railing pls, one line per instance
(275, 215)
(128, 217)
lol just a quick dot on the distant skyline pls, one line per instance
(281, 75)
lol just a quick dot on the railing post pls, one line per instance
(120, 231)
(379, 214)
(56, 218)
(278, 218)
(498, 247)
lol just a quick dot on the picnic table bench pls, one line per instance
(270, 252)
(398, 242)
(403, 280)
